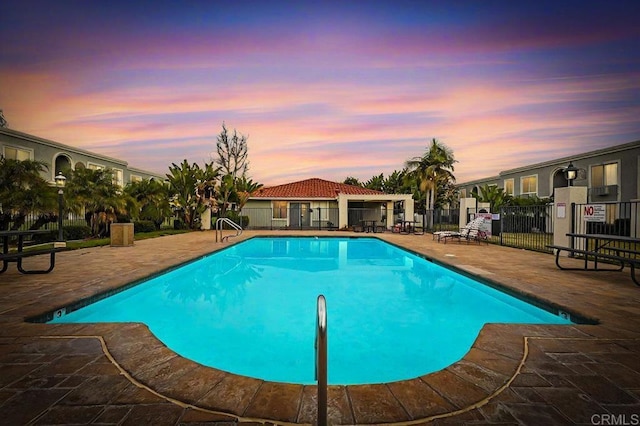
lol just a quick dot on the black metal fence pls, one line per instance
(13, 221)
(320, 218)
(616, 218)
(528, 227)
(41, 221)
(439, 220)
(294, 218)
(525, 227)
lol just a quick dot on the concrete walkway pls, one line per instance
(514, 374)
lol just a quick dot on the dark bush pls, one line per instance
(143, 226)
(71, 232)
(47, 237)
(123, 218)
(76, 232)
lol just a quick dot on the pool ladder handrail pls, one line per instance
(218, 228)
(321, 359)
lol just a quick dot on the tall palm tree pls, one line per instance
(432, 170)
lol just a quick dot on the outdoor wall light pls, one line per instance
(60, 181)
(571, 172)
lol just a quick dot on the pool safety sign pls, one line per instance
(593, 212)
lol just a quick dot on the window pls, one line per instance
(135, 178)
(118, 177)
(279, 209)
(463, 193)
(529, 185)
(604, 175)
(93, 166)
(15, 153)
(508, 186)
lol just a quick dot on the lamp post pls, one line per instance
(571, 172)
(60, 181)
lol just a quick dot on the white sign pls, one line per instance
(486, 224)
(561, 211)
(594, 212)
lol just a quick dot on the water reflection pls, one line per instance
(221, 281)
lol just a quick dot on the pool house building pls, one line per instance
(322, 204)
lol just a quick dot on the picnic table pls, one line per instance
(368, 225)
(16, 256)
(618, 249)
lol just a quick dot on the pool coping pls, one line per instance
(486, 370)
(478, 377)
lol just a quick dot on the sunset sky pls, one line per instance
(324, 89)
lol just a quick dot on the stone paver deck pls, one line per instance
(514, 374)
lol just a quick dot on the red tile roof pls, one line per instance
(312, 188)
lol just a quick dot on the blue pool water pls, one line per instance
(251, 310)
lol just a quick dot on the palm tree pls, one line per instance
(24, 191)
(245, 188)
(95, 193)
(192, 188)
(432, 170)
(352, 181)
(496, 197)
(376, 182)
(153, 200)
(396, 183)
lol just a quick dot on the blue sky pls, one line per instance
(328, 90)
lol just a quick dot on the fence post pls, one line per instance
(572, 225)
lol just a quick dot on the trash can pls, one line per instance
(121, 234)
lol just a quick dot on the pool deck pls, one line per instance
(121, 374)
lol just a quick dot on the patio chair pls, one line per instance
(470, 232)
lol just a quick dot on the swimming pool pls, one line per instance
(250, 310)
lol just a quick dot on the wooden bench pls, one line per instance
(594, 256)
(17, 257)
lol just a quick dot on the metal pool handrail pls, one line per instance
(218, 228)
(321, 359)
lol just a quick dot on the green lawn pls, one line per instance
(97, 242)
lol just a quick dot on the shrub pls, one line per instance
(71, 232)
(52, 235)
(76, 232)
(243, 221)
(143, 226)
(123, 218)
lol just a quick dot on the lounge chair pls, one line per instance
(470, 232)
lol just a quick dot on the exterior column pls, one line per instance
(563, 197)
(466, 203)
(205, 219)
(389, 223)
(343, 209)
(408, 208)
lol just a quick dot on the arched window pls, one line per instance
(62, 165)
